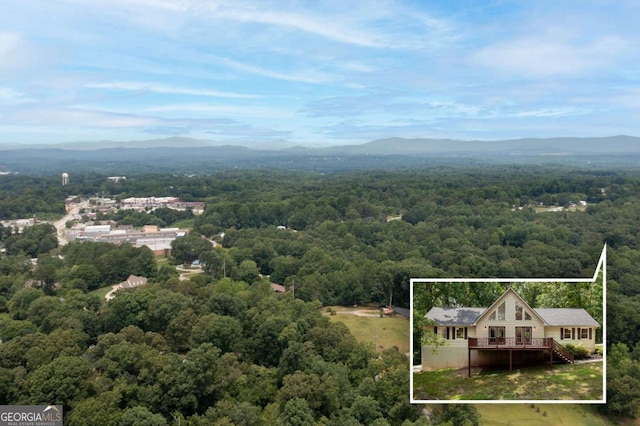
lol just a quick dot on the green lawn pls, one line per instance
(534, 415)
(101, 292)
(184, 224)
(383, 332)
(562, 382)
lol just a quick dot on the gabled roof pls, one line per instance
(278, 288)
(549, 316)
(454, 316)
(503, 296)
(402, 312)
(566, 316)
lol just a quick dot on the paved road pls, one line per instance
(61, 224)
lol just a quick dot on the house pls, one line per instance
(507, 332)
(405, 313)
(133, 281)
(278, 288)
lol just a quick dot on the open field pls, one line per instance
(562, 382)
(383, 332)
(100, 292)
(534, 415)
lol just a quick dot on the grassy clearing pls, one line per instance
(562, 382)
(533, 415)
(383, 332)
(100, 292)
(5, 315)
(184, 224)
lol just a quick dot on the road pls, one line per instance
(61, 224)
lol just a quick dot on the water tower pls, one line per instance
(65, 179)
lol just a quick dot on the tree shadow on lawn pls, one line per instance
(533, 382)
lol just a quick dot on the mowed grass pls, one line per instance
(534, 415)
(562, 382)
(384, 333)
(101, 292)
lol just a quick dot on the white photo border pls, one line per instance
(602, 265)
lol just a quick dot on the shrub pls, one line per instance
(333, 312)
(578, 351)
(329, 309)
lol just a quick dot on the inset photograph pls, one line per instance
(508, 341)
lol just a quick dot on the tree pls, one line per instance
(222, 331)
(87, 272)
(63, 381)
(365, 409)
(10, 329)
(248, 271)
(141, 416)
(102, 409)
(296, 412)
(127, 308)
(188, 248)
(164, 306)
(21, 301)
(461, 414)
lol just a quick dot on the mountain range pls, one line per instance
(388, 146)
(183, 154)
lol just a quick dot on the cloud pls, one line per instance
(9, 43)
(159, 88)
(9, 96)
(15, 53)
(323, 26)
(311, 76)
(555, 53)
(223, 110)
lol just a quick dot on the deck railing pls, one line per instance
(510, 342)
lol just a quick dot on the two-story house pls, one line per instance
(507, 332)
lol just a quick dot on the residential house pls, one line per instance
(507, 332)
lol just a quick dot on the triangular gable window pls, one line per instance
(501, 311)
(492, 316)
(518, 312)
(527, 316)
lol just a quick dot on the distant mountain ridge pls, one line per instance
(529, 146)
(388, 146)
(178, 155)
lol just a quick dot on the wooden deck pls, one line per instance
(515, 344)
(505, 343)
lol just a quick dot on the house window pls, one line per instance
(492, 316)
(566, 333)
(460, 333)
(584, 333)
(501, 311)
(518, 312)
(496, 334)
(527, 316)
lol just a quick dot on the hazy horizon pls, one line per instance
(319, 74)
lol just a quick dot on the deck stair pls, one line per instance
(561, 352)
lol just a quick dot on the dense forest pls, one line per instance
(221, 348)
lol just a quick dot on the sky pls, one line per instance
(317, 73)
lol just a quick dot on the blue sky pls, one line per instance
(317, 73)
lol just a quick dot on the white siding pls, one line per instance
(575, 340)
(510, 323)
